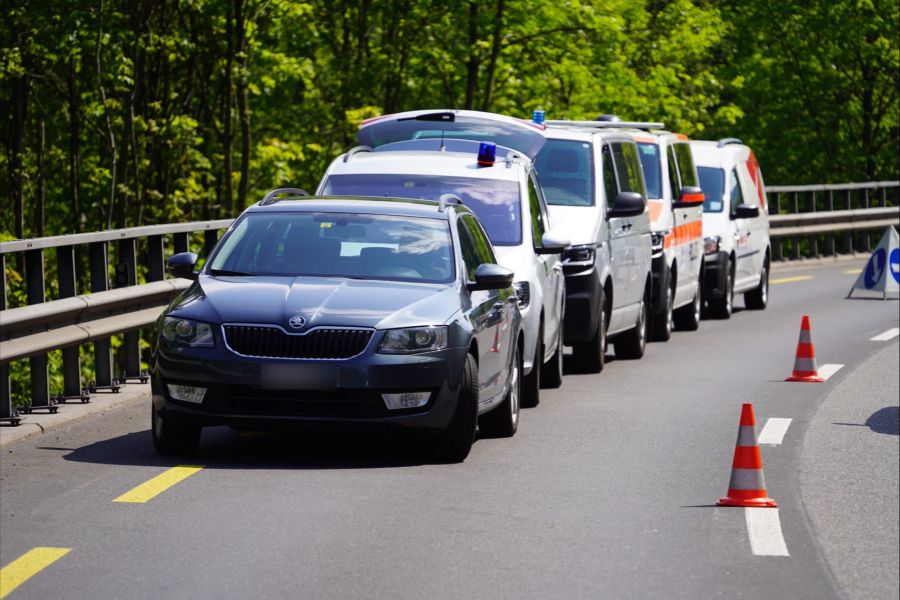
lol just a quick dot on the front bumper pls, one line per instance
(714, 271)
(582, 312)
(261, 392)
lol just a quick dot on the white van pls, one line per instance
(735, 226)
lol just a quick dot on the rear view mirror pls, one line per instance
(553, 243)
(491, 277)
(628, 204)
(689, 197)
(746, 211)
(182, 265)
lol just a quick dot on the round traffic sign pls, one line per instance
(875, 268)
(895, 264)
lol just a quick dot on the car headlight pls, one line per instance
(523, 292)
(580, 254)
(413, 340)
(711, 244)
(187, 332)
(658, 241)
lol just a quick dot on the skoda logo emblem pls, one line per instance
(296, 322)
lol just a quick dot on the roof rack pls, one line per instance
(356, 150)
(647, 125)
(273, 196)
(446, 199)
(726, 141)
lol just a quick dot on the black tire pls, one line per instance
(590, 356)
(721, 308)
(454, 443)
(758, 297)
(503, 420)
(664, 322)
(687, 318)
(631, 344)
(531, 395)
(171, 436)
(552, 374)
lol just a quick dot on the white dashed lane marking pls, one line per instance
(764, 530)
(774, 430)
(826, 371)
(886, 336)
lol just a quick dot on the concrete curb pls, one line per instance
(41, 423)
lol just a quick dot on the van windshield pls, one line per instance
(495, 201)
(566, 172)
(712, 182)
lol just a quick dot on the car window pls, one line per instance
(649, 154)
(538, 219)
(495, 201)
(712, 182)
(736, 196)
(610, 186)
(359, 246)
(474, 245)
(686, 169)
(674, 182)
(566, 170)
(628, 167)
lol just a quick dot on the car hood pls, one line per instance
(320, 301)
(580, 223)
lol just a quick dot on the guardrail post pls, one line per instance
(848, 235)
(99, 260)
(35, 292)
(829, 239)
(866, 236)
(131, 345)
(180, 242)
(6, 410)
(813, 239)
(156, 266)
(65, 267)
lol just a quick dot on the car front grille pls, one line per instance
(249, 400)
(272, 342)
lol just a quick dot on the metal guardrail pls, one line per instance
(71, 320)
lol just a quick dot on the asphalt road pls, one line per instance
(607, 491)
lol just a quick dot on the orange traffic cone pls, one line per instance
(748, 485)
(805, 358)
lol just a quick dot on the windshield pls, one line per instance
(566, 172)
(712, 182)
(495, 201)
(650, 163)
(358, 246)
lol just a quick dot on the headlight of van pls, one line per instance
(711, 244)
(186, 332)
(413, 340)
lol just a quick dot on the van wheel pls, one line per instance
(171, 436)
(456, 440)
(722, 307)
(503, 421)
(590, 356)
(664, 321)
(552, 375)
(687, 318)
(531, 395)
(631, 344)
(758, 297)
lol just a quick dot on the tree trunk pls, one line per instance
(227, 135)
(20, 87)
(74, 146)
(495, 54)
(473, 62)
(41, 197)
(110, 134)
(242, 52)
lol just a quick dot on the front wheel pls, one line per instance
(722, 307)
(590, 356)
(171, 436)
(456, 440)
(687, 318)
(531, 395)
(664, 322)
(758, 297)
(503, 420)
(631, 344)
(552, 375)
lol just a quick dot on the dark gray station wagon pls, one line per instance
(363, 310)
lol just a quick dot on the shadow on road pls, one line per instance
(884, 420)
(223, 448)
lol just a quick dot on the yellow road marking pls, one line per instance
(156, 486)
(27, 566)
(852, 271)
(791, 279)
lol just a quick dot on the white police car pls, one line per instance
(735, 225)
(428, 155)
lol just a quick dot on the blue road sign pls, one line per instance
(875, 268)
(895, 264)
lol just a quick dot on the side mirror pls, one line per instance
(182, 265)
(491, 277)
(553, 243)
(628, 204)
(689, 197)
(746, 211)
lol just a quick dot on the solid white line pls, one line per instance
(764, 530)
(886, 336)
(826, 371)
(774, 431)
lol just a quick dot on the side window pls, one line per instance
(538, 220)
(736, 196)
(482, 243)
(686, 169)
(674, 182)
(469, 249)
(628, 166)
(609, 178)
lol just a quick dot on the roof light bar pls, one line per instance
(487, 154)
(538, 116)
(607, 124)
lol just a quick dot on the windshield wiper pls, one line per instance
(230, 273)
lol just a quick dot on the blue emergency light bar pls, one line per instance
(487, 154)
(538, 116)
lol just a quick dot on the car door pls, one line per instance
(548, 266)
(617, 230)
(630, 179)
(743, 252)
(688, 223)
(488, 313)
